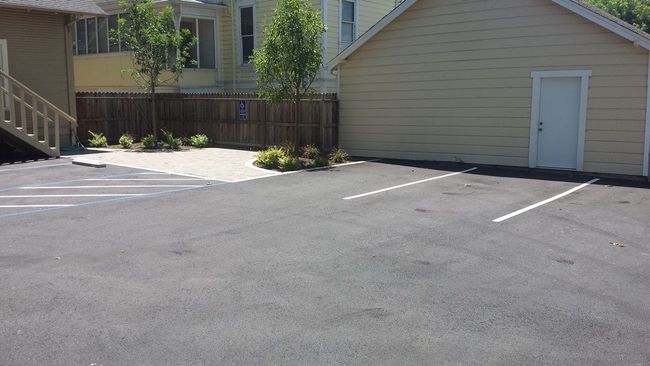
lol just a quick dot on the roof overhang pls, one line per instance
(638, 38)
(30, 7)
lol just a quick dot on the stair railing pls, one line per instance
(21, 106)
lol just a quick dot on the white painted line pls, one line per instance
(144, 179)
(33, 206)
(510, 215)
(408, 184)
(135, 186)
(5, 170)
(74, 195)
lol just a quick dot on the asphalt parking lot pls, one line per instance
(373, 263)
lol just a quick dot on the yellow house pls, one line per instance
(227, 31)
(535, 83)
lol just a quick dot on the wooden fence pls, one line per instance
(216, 115)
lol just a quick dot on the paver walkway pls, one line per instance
(212, 163)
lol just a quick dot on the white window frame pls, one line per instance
(355, 28)
(240, 50)
(215, 24)
(537, 76)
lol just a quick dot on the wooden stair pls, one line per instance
(29, 119)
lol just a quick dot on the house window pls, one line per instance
(102, 34)
(93, 35)
(112, 27)
(207, 44)
(246, 33)
(81, 37)
(348, 21)
(190, 25)
(204, 51)
(91, 32)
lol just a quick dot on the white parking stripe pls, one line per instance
(408, 184)
(118, 186)
(143, 179)
(74, 195)
(5, 170)
(33, 206)
(510, 215)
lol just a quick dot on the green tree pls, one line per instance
(158, 51)
(291, 56)
(635, 12)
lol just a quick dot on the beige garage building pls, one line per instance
(537, 83)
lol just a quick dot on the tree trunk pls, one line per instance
(154, 112)
(296, 127)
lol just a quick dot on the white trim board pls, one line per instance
(537, 76)
(636, 38)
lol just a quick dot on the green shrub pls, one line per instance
(288, 163)
(338, 156)
(289, 148)
(97, 140)
(126, 141)
(320, 161)
(310, 152)
(199, 140)
(149, 141)
(174, 143)
(270, 158)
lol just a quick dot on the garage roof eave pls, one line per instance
(579, 7)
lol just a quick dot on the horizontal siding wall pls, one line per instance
(450, 80)
(37, 55)
(37, 52)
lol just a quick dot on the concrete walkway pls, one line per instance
(212, 163)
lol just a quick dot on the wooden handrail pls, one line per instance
(14, 92)
(40, 98)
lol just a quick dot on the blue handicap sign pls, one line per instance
(243, 112)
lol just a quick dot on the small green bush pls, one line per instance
(289, 148)
(199, 140)
(97, 140)
(338, 156)
(320, 161)
(174, 143)
(126, 141)
(149, 141)
(310, 152)
(288, 163)
(270, 158)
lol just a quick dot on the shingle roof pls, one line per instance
(61, 6)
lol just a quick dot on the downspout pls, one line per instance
(235, 46)
(69, 70)
(325, 18)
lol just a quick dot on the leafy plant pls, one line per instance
(126, 141)
(320, 161)
(635, 12)
(199, 140)
(174, 143)
(270, 158)
(310, 152)
(291, 55)
(157, 49)
(338, 156)
(288, 163)
(150, 141)
(97, 140)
